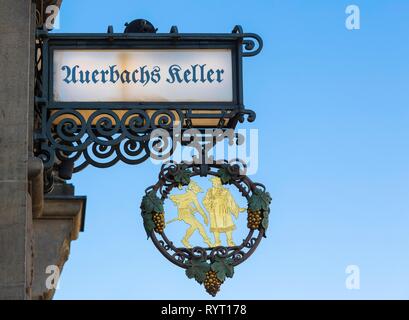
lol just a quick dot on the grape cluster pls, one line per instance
(159, 220)
(212, 283)
(254, 219)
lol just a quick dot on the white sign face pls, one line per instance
(143, 75)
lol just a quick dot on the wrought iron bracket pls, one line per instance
(66, 140)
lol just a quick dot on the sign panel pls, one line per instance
(143, 75)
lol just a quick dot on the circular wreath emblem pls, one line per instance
(212, 264)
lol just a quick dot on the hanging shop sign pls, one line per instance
(143, 75)
(99, 96)
(99, 100)
(198, 71)
(210, 219)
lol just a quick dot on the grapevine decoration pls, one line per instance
(211, 265)
(259, 209)
(152, 213)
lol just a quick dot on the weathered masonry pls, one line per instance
(35, 230)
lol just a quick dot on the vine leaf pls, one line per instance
(264, 222)
(183, 176)
(151, 203)
(224, 175)
(259, 200)
(197, 269)
(223, 268)
(148, 223)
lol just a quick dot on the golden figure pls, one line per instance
(221, 205)
(188, 205)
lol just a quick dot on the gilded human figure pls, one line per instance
(221, 206)
(187, 205)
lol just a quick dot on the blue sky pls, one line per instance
(332, 113)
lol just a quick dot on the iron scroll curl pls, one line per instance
(249, 40)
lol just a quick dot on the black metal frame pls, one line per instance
(121, 41)
(126, 138)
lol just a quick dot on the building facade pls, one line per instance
(36, 228)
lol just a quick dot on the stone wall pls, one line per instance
(35, 229)
(16, 87)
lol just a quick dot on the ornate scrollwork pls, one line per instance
(249, 42)
(102, 138)
(105, 136)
